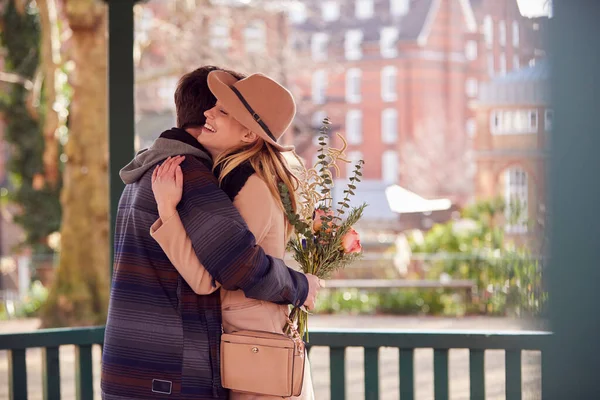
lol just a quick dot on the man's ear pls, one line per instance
(249, 137)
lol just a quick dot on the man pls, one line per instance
(162, 340)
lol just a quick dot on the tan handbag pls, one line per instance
(264, 363)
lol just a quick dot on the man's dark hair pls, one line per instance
(193, 97)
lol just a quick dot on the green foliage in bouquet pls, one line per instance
(323, 239)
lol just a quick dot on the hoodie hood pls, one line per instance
(173, 142)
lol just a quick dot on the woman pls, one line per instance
(241, 134)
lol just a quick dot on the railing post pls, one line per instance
(51, 373)
(407, 374)
(372, 373)
(440, 374)
(85, 377)
(17, 375)
(337, 373)
(477, 374)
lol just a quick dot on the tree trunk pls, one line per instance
(50, 49)
(79, 295)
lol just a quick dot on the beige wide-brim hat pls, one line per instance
(257, 102)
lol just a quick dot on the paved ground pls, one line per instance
(459, 360)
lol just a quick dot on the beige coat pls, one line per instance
(265, 220)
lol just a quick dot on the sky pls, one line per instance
(531, 8)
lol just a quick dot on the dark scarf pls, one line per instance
(233, 182)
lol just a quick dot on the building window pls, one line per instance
(330, 11)
(316, 123)
(502, 64)
(471, 50)
(353, 77)
(389, 126)
(387, 42)
(354, 127)
(516, 62)
(471, 87)
(490, 64)
(548, 120)
(388, 83)
(471, 127)
(297, 12)
(488, 31)
(515, 34)
(389, 166)
(318, 46)
(319, 86)
(352, 45)
(502, 33)
(255, 37)
(219, 34)
(513, 122)
(516, 195)
(399, 8)
(354, 157)
(364, 9)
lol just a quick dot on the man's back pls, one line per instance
(158, 332)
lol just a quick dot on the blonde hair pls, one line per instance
(268, 163)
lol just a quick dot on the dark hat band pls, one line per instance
(254, 114)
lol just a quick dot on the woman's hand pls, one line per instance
(167, 185)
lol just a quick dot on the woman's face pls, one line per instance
(222, 132)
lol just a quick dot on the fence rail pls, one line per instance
(336, 340)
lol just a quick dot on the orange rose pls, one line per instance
(351, 242)
(319, 217)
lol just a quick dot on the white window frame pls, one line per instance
(389, 91)
(220, 33)
(389, 166)
(471, 50)
(491, 67)
(514, 122)
(516, 188)
(548, 119)
(388, 36)
(389, 126)
(318, 46)
(471, 87)
(488, 31)
(354, 157)
(515, 34)
(364, 9)
(502, 33)
(255, 37)
(502, 63)
(297, 13)
(399, 8)
(354, 129)
(353, 44)
(353, 85)
(471, 127)
(516, 62)
(319, 86)
(330, 11)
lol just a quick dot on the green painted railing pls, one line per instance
(337, 340)
(441, 342)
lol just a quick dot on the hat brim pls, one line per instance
(219, 83)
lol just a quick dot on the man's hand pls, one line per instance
(314, 285)
(167, 185)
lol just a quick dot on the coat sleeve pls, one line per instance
(176, 244)
(254, 203)
(225, 246)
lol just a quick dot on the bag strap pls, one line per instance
(295, 334)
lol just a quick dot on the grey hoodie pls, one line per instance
(160, 149)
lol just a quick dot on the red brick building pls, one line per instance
(513, 121)
(176, 37)
(399, 78)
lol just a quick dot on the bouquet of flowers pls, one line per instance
(324, 239)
